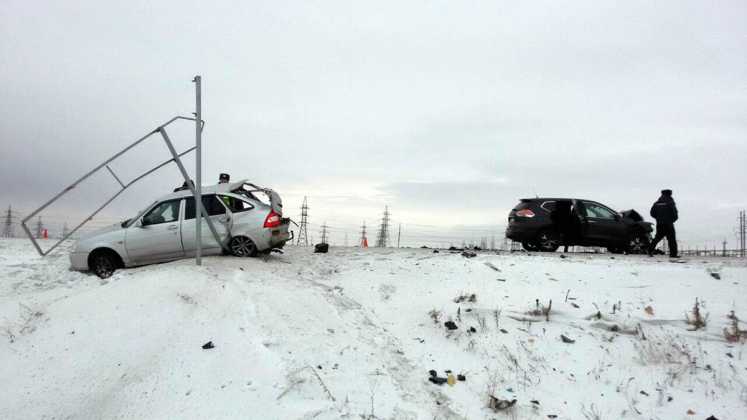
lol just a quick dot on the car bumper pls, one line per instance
(279, 236)
(522, 232)
(79, 261)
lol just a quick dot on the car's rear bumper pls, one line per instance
(522, 232)
(280, 235)
(79, 261)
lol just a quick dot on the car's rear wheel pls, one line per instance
(103, 263)
(548, 241)
(638, 244)
(530, 246)
(241, 246)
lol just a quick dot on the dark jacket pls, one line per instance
(664, 210)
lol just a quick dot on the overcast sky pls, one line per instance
(448, 112)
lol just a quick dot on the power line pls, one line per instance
(364, 239)
(382, 240)
(303, 234)
(8, 225)
(324, 233)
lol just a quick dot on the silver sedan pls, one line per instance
(165, 230)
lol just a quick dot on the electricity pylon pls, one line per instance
(8, 224)
(382, 240)
(303, 234)
(324, 233)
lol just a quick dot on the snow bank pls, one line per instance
(354, 333)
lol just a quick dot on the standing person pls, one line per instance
(665, 212)
(224, 178)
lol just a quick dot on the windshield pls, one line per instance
(132, 220)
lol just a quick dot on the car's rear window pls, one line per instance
(548, 206)
(523, 205)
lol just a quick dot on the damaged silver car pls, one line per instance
(248, 219)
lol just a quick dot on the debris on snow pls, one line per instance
(497, 404)
(207, 346)
(566, 339)
(450, 325)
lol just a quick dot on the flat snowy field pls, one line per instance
(354, 333)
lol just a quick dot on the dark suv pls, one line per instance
(544, 224)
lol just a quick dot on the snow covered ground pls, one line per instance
(354, 333)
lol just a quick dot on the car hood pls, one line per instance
(102, 231)
(632, 215)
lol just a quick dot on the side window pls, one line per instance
(211, 203)
(598, 211)
(548, 206)
(165, 212)
(234, 204)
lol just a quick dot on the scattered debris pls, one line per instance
(535, 402)
(435, 251)
(450, 379)
(207, 346)
(461, 377)
(567, 339)
(499, 405)
(450, 325)
(438, 380)
(469, 254)
(466, 298)
(716, 276)
(711, 418)
(649, 310)
(489, 264)
(321, 248)
(472, 329)
(504, 331)
(575, 305)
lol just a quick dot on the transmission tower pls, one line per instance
(364, 239)
(382, 240)
(324, 233)
(8, 225)
(742, 233)
(39, 228)
(303, 234)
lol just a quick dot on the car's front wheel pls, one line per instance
(638, 244)
(241, 246)
(103, 264)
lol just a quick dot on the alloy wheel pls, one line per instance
(242, 246)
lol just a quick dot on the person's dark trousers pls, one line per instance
(665, 230)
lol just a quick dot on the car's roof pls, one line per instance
(226, 187)
(556, 199)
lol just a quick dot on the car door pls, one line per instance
(218, 215)
(156, 235)
(602, 225)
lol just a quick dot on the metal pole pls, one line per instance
(198, 170)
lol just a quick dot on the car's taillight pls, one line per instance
(525, 213)
(272, 220)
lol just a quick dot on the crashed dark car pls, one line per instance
(544, 224)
